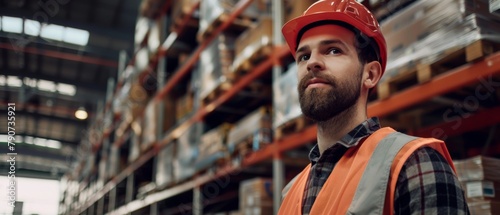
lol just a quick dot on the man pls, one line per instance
(356, 166)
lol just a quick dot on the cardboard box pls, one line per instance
(256, 125)
(149, 125)
(484, 208)
(478, 168)
(481, 190)
(252, 40)
(184, 106)
(256, 192)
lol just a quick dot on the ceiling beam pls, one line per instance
(89, 87)
(81, 97)
(113, 33)
(23, 113)
(61, 55)
(24, 149)
(72, 143)
(90, 50)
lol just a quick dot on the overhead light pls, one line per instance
(76, 36)
(53, 32)
(32, 27)
(81, 113)
(12, 24)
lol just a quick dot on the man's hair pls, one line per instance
(366, 48)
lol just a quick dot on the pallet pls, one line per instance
(246, 146)
(217, 92)
(183, 19)
(423, 72)
(260, 54)
(292, 126)
(239, 24)
(254, 87)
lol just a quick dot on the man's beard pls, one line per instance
(322, 104)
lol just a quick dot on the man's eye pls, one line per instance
(303, 58)
(335, 51)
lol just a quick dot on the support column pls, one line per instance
(197, 201)
(278, 166)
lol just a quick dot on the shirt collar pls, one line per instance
(351, 139)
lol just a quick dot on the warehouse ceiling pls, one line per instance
(56, 57)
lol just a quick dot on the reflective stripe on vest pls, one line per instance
(371, 191)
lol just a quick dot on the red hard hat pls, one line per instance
(347, 11)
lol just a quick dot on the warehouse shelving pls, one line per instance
(445, 83)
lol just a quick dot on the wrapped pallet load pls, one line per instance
(480, 179)
(164, 167)
(251, 132)
(256, 196)
(286, 97)
(186, 153)
(213, 150)
(215, 64)
(215, 11)
(253, 44)
(437, 28)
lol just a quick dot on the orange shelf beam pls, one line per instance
(479, 120)
(447, 82)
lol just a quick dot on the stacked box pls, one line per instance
(150, 130)
(286, 97)
(184, 106)
(186, 153)
(437, 27)
(164, 167)
(182, 7)
(212, 147)
(480, 177)
(256, 126)
(215, 63)
(252, 40)
(211, 10)
(256, 197)
(484, 207)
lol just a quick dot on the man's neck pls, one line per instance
(331, 131)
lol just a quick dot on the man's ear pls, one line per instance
(372, 74)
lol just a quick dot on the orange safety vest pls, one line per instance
(350, 188)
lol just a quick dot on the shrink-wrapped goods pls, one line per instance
(256, 196)
(215, 63)
(186, 153)
(255, 127)
(436, 27)
(286, 97)
(164, 166)
(212, 147)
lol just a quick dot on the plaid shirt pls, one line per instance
(426, 184)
